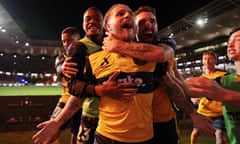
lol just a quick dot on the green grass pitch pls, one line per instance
(30, 91)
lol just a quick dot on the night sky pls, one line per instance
(45, 19)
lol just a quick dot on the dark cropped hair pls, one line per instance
(94, 9)
(145, 9)
(70, 30)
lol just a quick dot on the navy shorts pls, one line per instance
(86, 133)
(76, 120)
(165, 132)
(100, 139)
(218, 123)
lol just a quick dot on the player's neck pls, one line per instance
(209, 71)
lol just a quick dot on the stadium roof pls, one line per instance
(223, 15)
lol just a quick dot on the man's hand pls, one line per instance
(112, 44)
(115, 89)
(68, 68)
(200, 86)
(48, 133)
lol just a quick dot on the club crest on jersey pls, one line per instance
(139, 62)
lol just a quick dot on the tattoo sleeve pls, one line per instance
(137, 49)
(72, 106)
(176, 94)
(143, 51)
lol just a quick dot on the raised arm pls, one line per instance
(50, 129)
(177, 95)
(211, 89)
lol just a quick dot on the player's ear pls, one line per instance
(108, 28)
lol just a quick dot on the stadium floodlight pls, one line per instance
(201, 21)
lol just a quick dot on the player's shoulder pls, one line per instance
(221, 72)
(79, 44)
(99, 52)
(76, 48)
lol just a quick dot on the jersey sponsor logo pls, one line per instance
(144, 80)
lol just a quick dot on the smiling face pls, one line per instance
(209, 60)
(233, 50)
(146, 26)
(93, 22)
(119, 21)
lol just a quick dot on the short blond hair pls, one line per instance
(108, 13)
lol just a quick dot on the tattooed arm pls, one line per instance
(72, 106)
(203, 86)
(177, 95)
(50, 129)
(142, 51)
